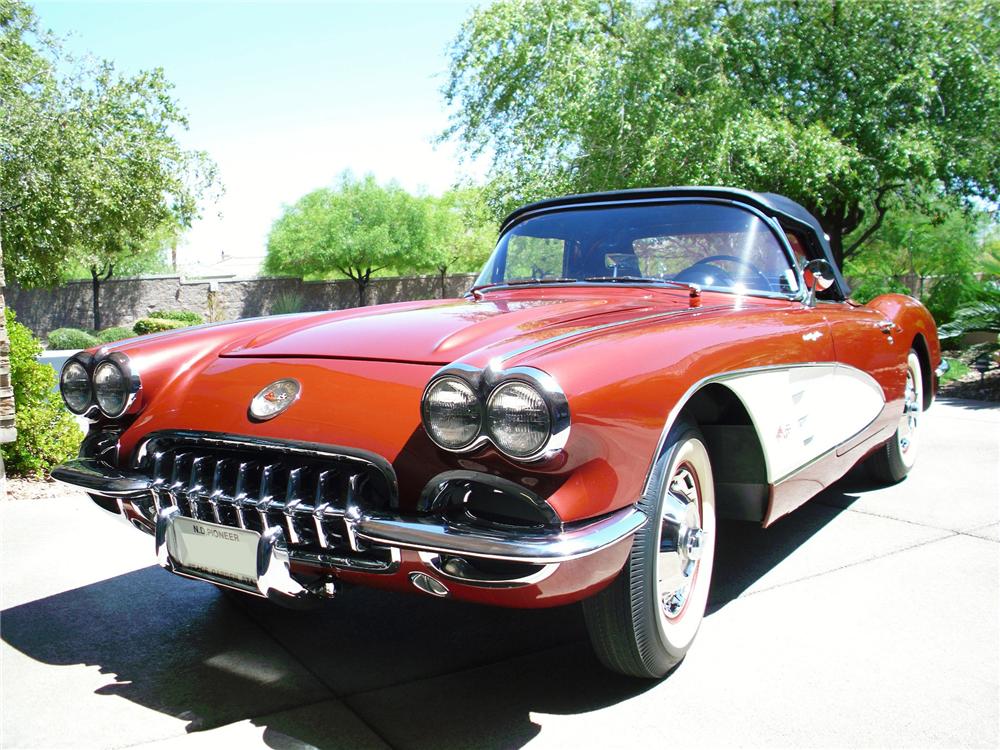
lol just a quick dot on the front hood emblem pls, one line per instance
(273, 399)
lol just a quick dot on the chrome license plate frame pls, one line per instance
(219, 553)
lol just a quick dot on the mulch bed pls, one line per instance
(973, 386)
(35, 489)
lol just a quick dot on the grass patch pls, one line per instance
(957, 371)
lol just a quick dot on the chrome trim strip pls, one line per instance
(573, 542)
(603, 326)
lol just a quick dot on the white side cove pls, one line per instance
(804, 411)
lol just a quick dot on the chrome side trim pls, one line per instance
(721, 378)
(540, 548)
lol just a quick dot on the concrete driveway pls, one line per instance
(867, 618)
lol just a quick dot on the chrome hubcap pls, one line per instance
(912, 407)
(681, 542)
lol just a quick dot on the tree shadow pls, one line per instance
(423, 672)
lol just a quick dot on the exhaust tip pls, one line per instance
(429, 585)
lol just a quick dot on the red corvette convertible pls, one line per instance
(628, 368)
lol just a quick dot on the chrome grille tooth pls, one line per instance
(319, 507)
(292, 502)
(264, 497)
(215, 490)
(194, 486)
(240, 493)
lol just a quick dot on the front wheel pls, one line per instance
(645, 621)
(893, 461)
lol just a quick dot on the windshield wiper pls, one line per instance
(645, 280)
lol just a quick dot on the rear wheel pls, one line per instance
(893, 461)
(645, 621)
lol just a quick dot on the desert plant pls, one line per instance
(184, 316)
(287, 302)
(115, 333)
(46, 433)
(156, 325)
(71, 338)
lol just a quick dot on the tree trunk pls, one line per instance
(443, 270)
(95, 284)
(836, 244)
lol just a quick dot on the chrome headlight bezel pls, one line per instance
(485, 383)
(91, 363)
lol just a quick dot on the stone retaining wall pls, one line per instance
(123, 301)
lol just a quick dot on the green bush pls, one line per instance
(287, 302)
(46, 432)
(115, 333)
(156, 325)
(71, 338)
(184, 316)
(867, 288)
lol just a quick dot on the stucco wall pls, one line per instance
(123, 301)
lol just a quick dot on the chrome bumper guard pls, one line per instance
(434, 535)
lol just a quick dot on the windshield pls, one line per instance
(714, 246)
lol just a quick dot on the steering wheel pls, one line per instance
(721, 275)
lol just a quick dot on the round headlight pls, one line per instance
(74, 384)
(517, 418)
(110, 389)
(452, 413)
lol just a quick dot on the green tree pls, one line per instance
(842, 106)
(933, 251)
(356, 229)
(461, 232)
(90, 167)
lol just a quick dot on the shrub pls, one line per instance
(155, 325)
(287, 302)
(115, 333)
(46, 432)
(184, 316)
(866, 288)
(71, 338)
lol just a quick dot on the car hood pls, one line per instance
(432, 332)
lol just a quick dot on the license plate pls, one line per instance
(211, 548)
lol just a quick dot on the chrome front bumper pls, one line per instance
(428, 535)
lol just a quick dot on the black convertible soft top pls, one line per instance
(788, 213)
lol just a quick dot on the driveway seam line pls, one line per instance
(886, 517)
(315, 676)
(949, 535)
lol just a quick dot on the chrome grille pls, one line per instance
(310, 491)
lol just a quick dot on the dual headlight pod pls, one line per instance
(107, 384)
(524, 413)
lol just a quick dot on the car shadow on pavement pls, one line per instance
(400, 662)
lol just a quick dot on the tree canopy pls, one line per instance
(355, 229)
(460, 232)
(846, 107)
(90, 165)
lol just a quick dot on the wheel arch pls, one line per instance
(919, 345)
(739, 466)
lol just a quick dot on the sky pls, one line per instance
(284, 97)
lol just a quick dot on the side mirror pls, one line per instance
(818, 274)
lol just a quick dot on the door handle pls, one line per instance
(887, 327)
